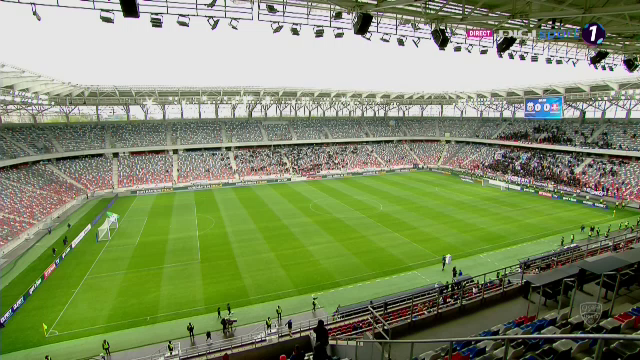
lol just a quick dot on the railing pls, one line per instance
(386, 345)
(163, 353)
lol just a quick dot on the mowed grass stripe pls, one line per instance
(351, 239)
(292, 254)
(138, 292)
(219, 269)
(259, 267)
(325, 248)
(402, 232)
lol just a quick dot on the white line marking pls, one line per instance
(195, 213)
(143, 269)
(141, 230)
(417, 273)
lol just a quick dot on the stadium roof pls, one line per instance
(18, 86)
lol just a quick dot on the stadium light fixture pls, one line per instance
(276, 27)
(548, 60)
(558, 62)
(511, 56)
(599, 57)
(401, 40)
(484, 51)
(500, 55)
(212, 4)
(416, 41)
(603, 68)
(318, 31)
(183, 20)
(385, 38)
(631, 64)
(35, 13)
(107, 16)
(338, 33)
(213, 23)
(337, 15)
(233, 23)
(367, 36)
(156, 21)
(295, 30)
(534, 58)
(457, 48)
(272, 9)
(522, 57)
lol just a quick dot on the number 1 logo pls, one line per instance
(593, 34)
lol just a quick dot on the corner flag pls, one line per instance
(45, 329)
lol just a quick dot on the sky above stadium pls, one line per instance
(74, 45)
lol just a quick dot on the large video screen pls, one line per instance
(543, 108)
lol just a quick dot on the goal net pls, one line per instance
(109, 227)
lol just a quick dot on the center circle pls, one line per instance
(333, 207)
(205, 228)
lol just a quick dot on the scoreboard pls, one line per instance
(543, 108)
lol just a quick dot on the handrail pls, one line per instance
(512, 337)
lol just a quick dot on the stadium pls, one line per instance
(319, 180)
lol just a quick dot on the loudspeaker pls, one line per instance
(440, 38)
(363, 21)
(630, 64)
(130, 8)
(505, 44)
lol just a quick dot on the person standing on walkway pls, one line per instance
(290, 327)
(170, 347)
(229, 308)
(279, 313)
(190, 330)
(219, 317)
(208, 336)
(223, 322)
(454, 272)
(268, 323)
(106, 347)
(444, 262)
(314, 303)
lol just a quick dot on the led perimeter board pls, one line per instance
(543, 108)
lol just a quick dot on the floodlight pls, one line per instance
(318, 31)
(599, 57)
(401, 40)
(416, 42)
(35, 13)
(385, 38)
(156, 21)
(534, 58)
(367, 36)
(500, 55)
(212, 4)
(338, 33)
(484, 51)
(107, 16)
(233, 23)
(337, 15)
(505, 44)
(276, 27)
(522, 57)
(631, 64)
(457, 48)
(548, 60)
(183, 20)
(272, 9)
(558, 62)
(603, 68)
(610, 68)
(295, 30)
(511, 56)
(213, 23)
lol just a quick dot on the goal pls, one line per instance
(109, 227)
(504, 187)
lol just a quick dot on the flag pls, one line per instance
(45, 329)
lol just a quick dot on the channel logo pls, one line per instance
(479, 33)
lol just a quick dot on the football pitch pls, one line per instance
(181, 255)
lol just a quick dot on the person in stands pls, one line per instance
(322, 334)
(297, 354)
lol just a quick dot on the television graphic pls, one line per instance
(543, 108)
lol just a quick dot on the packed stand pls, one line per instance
(11, 228)
(197, 132)
(260, 162)
(35, 138)
(244, 131)
(487, 129)
(539, 165)
(517, 130)
(10, 151)
(93, 173)
(277, 132)
(624, 136)
(394, 154)
(313, 159)
(616, 178)
(458, 128)
(145, 169)
(79, 137)
(542, 132)
(204, 166)
(420, 127)
(308, 129)
(138, 135)
(383, 128)
(345, 129)
(579, 132)
(43, 179)
(458, 155)
(485, 155)
(428, 153)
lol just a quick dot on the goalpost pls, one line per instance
(109, 227)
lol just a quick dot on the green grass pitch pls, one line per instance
(179, 255)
